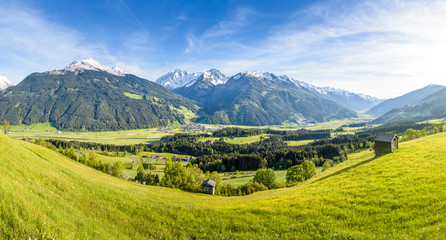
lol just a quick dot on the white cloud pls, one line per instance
(382, 48)
(220, 35)
(31, 43)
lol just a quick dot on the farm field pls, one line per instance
(124, 137)
(280, 177)
(298, 143)
(395, 196)
(127, 161)
(237, 140)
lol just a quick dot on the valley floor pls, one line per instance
(396, 196)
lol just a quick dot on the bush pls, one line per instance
(326, 166)
(226, 190)
(267, 177)
(252, 187)
(294, 174)
(309, 169)
(279, 185)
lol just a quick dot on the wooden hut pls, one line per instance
(208, 186)
(386, 143)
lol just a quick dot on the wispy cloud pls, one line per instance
(31, 43)
(383, 48)
(220, 35)
(28, 40)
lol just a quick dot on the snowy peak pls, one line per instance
(91, 64)
(214, 77)
(4, 83)
(264, 76)
(353, 101)
(178, 79)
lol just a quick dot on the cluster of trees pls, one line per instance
(301, 172)
(115, 169)
(189, 145)
(280, 158)
(265, 179)
(187, 177)
(145, 177)
(301, 134)
(411, 134)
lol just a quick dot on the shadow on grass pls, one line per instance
(349, 168)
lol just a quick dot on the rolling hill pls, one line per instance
(431, 107)
(410, 98)
(395, 196)
(88, 96)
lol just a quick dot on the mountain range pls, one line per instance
(191, 84)
(87, 95)
(410, 98)
(430, 107)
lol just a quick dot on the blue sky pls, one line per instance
(383, 48)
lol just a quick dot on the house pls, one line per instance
(386, 143)
(208, 186)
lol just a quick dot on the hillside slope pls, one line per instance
(92, 100)
(255, 98)
(431, 107)
(410, 98)
(396, 196)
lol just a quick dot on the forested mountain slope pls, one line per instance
(92, 100)
(255, 98)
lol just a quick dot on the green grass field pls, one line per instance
(298, 143)
(124, 137)
(237, 140)
(401, 195)
(280, 177)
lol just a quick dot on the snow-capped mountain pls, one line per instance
(4, 83)
(214, 77)
(351, 100)
(194, 85)
(182, 79)
(260, 75)
(89, 64)
(177, 79)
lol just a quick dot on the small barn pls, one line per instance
(208, 186)
(386, 143)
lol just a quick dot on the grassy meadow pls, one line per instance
(396, 196)
(237, 140)
(280, 177)
(124, 137)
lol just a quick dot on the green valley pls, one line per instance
(395, 196)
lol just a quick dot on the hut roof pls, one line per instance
(386, 137)
(209, 182)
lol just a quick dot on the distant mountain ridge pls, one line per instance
(354, 101)
(256, 98)
(183, 83)
(87, 95)
(410, 98)
(431, 107)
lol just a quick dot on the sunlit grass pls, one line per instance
(395, 196)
